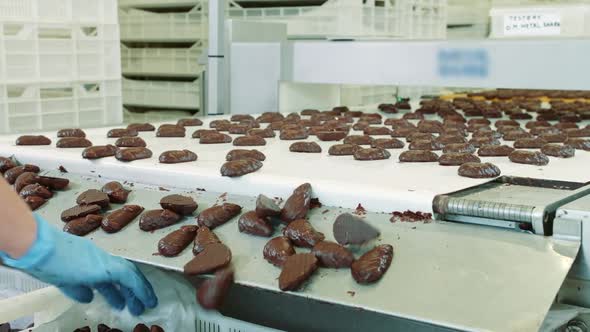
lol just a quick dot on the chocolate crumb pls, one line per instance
(315, 203)
(351, 293)
(201, 189)
(325, 211)
(411, 216)
(62, 169)
(162, 189)
(360, 210)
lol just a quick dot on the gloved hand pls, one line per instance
(76, 266)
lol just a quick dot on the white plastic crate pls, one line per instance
(178, 62)
(363, 95)
(43, 106)
(59, 11)
(543, 20)
(144, 26)
(43, 52)
(162, 94)
(158, 3)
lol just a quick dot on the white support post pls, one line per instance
(216, 58)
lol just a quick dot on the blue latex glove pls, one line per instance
(76, 266)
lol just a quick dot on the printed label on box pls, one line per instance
(532, 24)
(463, 63)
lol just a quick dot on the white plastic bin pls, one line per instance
(59, 11)
(158, 3)
(144, 26)
(363, 95)
(178, 62)
(162, 94)
(42, 106)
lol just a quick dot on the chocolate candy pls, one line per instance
(585, 132)
(13, 173)
(218, 123)
(53, 183)
(558, 150)
(266, 207)
(579, 143)
(331, 135)
(103, 328)
(268, 117)
(479, 170)
(35, 189)
(399, 123)
(529, 143)
(330, 254)
(204, 238)
(175, 242)
(84, 225)
(459, 148)
(343, 149)
(182, 205)
(450, 139)
(239, 129)
(131, 154)
(516, 134)
(156, 219)
(141, 328)
(71, 132)
(79, 211)
(416, 136)
(296, 270)
(480, 141)
(121, 132)
(349, 229)
(264, 133)
(293, 134)
(528, 157)
(387, 143)
(371, 266)
(418, 156)
(241, 117)
(120, 218)
(456, 159)
(153, 328)
(358, 140)
(371, 154)
(503, 123)
(306, 147)
(33, 140)
(218, 215)
(251, 223)
(99, 151)
(554, 138)
(297, 205)
(189, 122)
(238, 154)
(302, 233)
(240, 167)
(214, 138)
(212, 292)
(35, 202)
(24, 180)
(249, 141)
(212, 258)
(117, 194)
(420, 144)
(277, 250)
(6, 164)
(141, 127)
(495, 151)
(177, 156)
(130, 142)
(83, 329)
(377, 131)
(360, 125)
(170, 130)
(73, 142)
(309, 112)
(199, 132)
(403, 132)
(93, 196)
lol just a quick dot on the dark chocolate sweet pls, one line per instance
(293, 134)
(483, 140)
(93, 196)
(302, 234)
(73, 142)
(6, 164)
(350, 229)
(266, 207)
(33, 140)
(377, 131)
(156, 219)
(130, 142)
(529, 143)
(554, 138)
(141, 328)
(251, 223)
(131, 154)
(450, 139)
(199, 132)
(371, 266)
(205, 237)
(122, 132)
(118, 219)
(239, 129)
(170, 130)
(297, 205)
(83, 329)
(99, 151)
(249, 141)
(35, 189)
(358, 140)
(71, 132)
(183, 205)
(305, 147)
(53, 183)
(296, 270)
(177, 156)
(84, 225)
(418, 156)
(529, 157)
(416, 136)
(331, 135)
(189, 122)
(214, 138)
(219, 123)
(269, 117)
(264, 133)
(141, 127)
(371, 154)
(238, 154)
(212, 292)
(579, 143)
(479, 170)
(176, 241)
(13, 173)
(343, 149)
(515, 135)
(35, 202)
(457, 159)
(212, 258)
(25, 179)
(333, 255)
(495, 151)
(277, 250)
(422, 144)
(558, 150)
(79, 211)
(241, 117)
(240, 167)
(117, 194)
(403, 132)
(218, 215)
(459, 148)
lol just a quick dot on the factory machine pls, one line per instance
(509, 254)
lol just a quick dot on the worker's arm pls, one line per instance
(73, 264)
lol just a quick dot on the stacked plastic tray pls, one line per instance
(59, 64)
